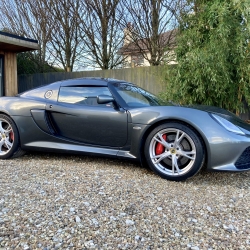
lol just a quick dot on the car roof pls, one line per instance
(85, 81)
(90, 81)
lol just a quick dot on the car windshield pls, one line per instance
(135, 96)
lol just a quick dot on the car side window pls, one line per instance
(82, 95)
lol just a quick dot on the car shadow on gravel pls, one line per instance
(83, 158)
(237, 179)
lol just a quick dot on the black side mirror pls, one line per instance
(103, 99)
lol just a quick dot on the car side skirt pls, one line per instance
(54, 146)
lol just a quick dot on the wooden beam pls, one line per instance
(10, 74)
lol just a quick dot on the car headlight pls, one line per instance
(227, 125)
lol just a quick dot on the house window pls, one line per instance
(137, 60)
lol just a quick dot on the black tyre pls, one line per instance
(174, 151)
(9, 138)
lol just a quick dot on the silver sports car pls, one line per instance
(117, 118)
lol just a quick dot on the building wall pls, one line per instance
(130, 63)
(10, 73)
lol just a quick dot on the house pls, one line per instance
(135, 51)
(10, 45)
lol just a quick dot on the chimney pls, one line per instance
(128, 34)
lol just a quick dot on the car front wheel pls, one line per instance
(174, 151)
(9, 138)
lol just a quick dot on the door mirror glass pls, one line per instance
(103, 99)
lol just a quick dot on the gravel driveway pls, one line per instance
(51, 201)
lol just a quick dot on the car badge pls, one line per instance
(48, 94)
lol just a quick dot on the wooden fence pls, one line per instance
(149, 78)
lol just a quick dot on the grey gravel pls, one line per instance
(51, 201)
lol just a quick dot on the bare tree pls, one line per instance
(101, 34)
(65, 41)
(92, 30)
(150, 28)
(29, 19)
(54, 23)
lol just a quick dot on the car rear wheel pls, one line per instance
(174, 151)
(9, 138)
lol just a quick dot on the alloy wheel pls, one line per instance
(172, 152)
(6, 137)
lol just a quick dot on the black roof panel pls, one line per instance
(89, 81)
(18, 37)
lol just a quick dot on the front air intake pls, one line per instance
(243, 161)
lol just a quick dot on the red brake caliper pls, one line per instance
(12, 136)
(159, 147)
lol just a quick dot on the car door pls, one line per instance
(77, 116)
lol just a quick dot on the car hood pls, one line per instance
(211, 109)
(223, 113)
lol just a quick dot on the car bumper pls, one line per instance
(231, 154)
